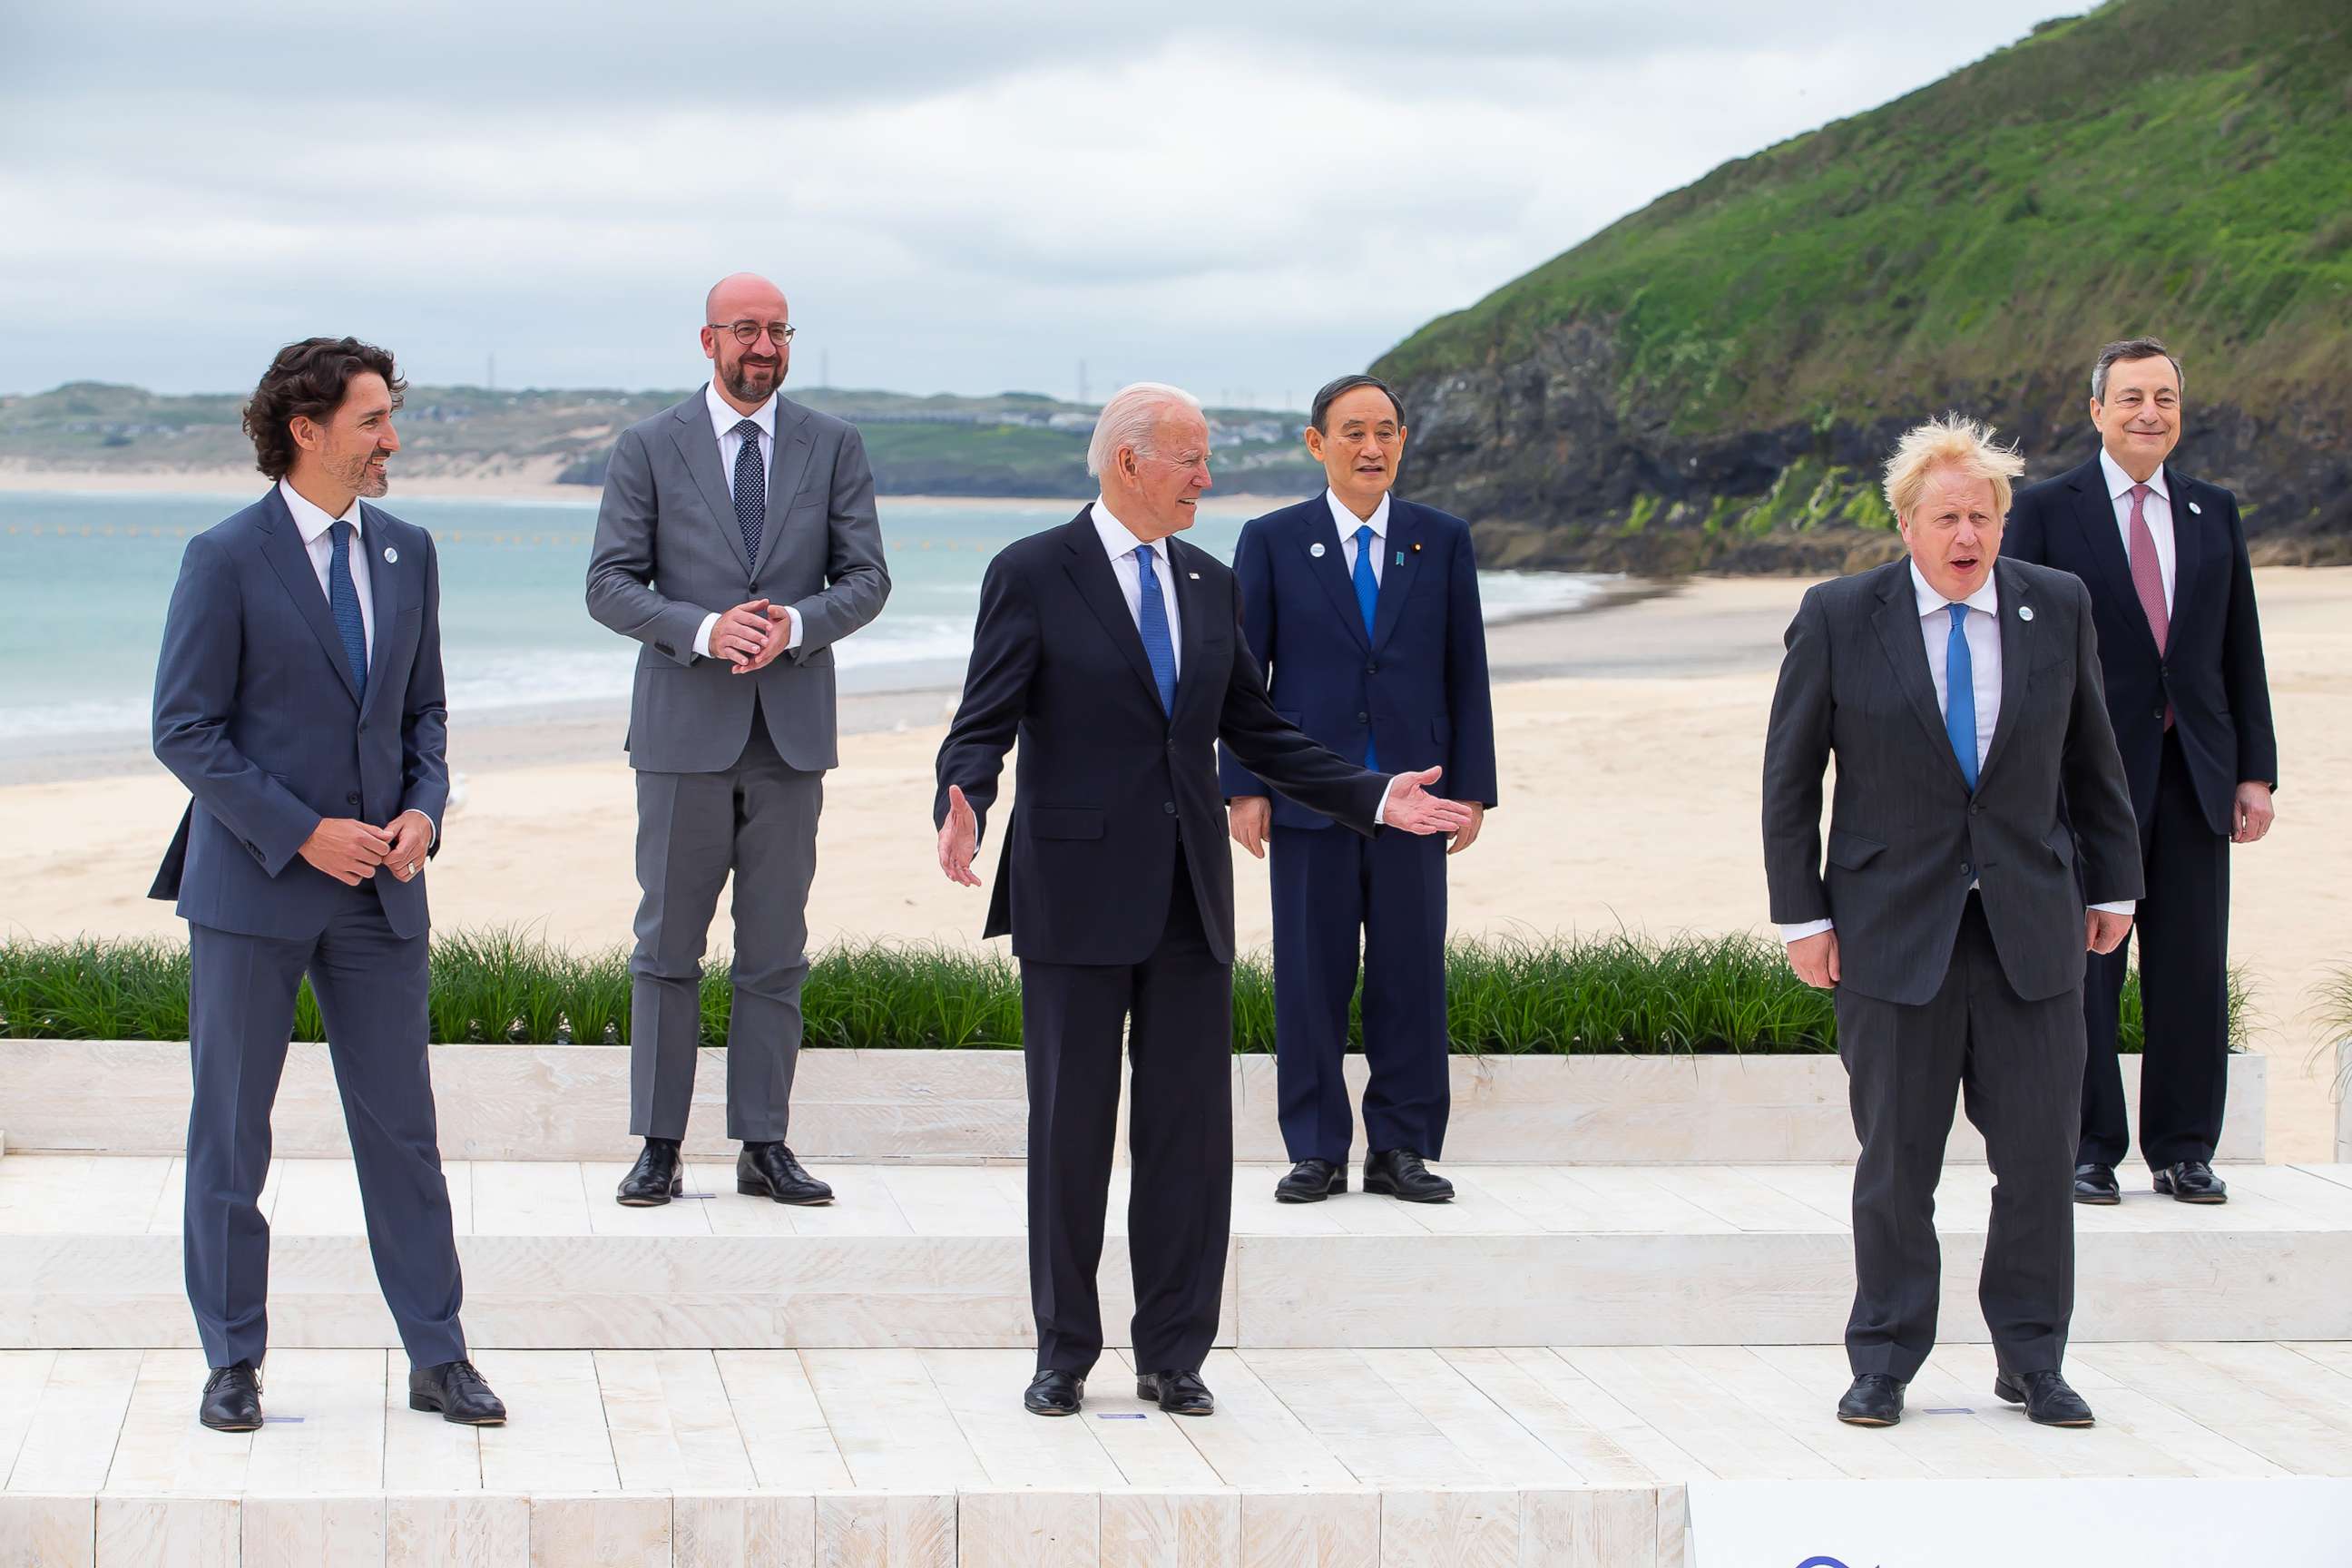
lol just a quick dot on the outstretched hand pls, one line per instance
(959, 839)
(1412, 808)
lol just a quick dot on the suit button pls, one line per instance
(1168, 806)
(1372, 668)
(1363, 718)
(1976, 808)
(352, 799)
(2157, 714)
(1963, 869)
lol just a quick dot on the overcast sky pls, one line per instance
(1244, 196)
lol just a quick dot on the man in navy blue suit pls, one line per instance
(1364, 611)
(299, 697)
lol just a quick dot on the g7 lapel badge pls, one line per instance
(1194, 575)
(2024, 612)
(2195, 508)
(391, 556)
(1316, 550)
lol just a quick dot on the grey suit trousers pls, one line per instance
(2018, 1068)
(757, 819)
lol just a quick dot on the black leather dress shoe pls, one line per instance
(2096, 1183)
(231, 1399)
(1055, 1394)
(1178, 1393)
(1875, 1400)
(1400, 1173)
(655, 1178)
(2046, 1397)
(769, 1171)
(457, 1391)
(2192, 1182)
(1311, 1182)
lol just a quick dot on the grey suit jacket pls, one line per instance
(1906, 834)
(669, 553)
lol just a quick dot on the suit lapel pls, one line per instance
(383, 591)
(2188, 543)
(1403, 548)
(282, 548)
(1194, 612)
(1090, 573)
(2011, 604)
(2094, 513)
(1331, 568)
(792, 444)
(697, 445)
(1897, 624)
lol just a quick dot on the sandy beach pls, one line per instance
(1632, 741)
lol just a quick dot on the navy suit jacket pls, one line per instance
(2211, 668)
(256, 713)
(1415, 686)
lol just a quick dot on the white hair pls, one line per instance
(1131, 418)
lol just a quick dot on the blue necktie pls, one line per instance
(1961, 695)
(343, 599)
(1367, 600)
(751, 488)
(1151, 620)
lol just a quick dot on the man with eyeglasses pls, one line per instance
(738, 543)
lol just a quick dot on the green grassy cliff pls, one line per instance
(1713, 379)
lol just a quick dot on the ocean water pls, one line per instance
(85, 579)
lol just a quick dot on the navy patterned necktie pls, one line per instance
(343, 599)
(751, 488)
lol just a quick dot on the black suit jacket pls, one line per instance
(1906, 834)
(2211, 668)
(1106, 777)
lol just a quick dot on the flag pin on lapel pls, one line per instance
(1315, 551)
(2024, 612)
(1401, 555)
(391, 556)
(1194, 575)
(2195, 508)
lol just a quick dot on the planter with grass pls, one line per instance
(1598, 1051)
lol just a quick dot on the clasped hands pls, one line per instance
(349, 850)
(751, 635)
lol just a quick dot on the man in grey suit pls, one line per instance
(1960, 695)
(738, 542)
(299, 697)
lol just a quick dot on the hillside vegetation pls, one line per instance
(1713, 379)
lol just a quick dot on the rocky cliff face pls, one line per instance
(1555, 469)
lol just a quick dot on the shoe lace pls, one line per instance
(462, 1377)
(222, 1375)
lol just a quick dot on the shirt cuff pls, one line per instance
(1380, 815)
(1804, 929)
(702, 637)
(800, 624)
(2124, 908)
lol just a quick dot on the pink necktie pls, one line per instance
(2147, 578)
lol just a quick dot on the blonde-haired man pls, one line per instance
(1960, 694)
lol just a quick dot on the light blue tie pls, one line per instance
(1961, 695)
(343, 600)
(1151, 620)
(1368, 602)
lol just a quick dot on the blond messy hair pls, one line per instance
(1954, 442)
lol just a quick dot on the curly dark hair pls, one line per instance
(307, 381)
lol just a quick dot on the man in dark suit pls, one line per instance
(1113, 652)
(2180, 650)
(1960, 695)
(1363, 610)
(736, 544)
(299, 697)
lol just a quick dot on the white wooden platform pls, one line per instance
(935, 1257)
(1560, 1456)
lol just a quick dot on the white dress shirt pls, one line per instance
(724, 417)
(1121, 545)
(313, 524)
(1982, 628)
(1348, 523)
(2156, 511)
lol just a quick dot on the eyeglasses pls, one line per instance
(747, 333)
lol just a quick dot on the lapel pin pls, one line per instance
(1315, 551)
(2198, 509)
(1194, 575)
(2024, 612)
(1416, 547)
(1400, 560)
(391, 556)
